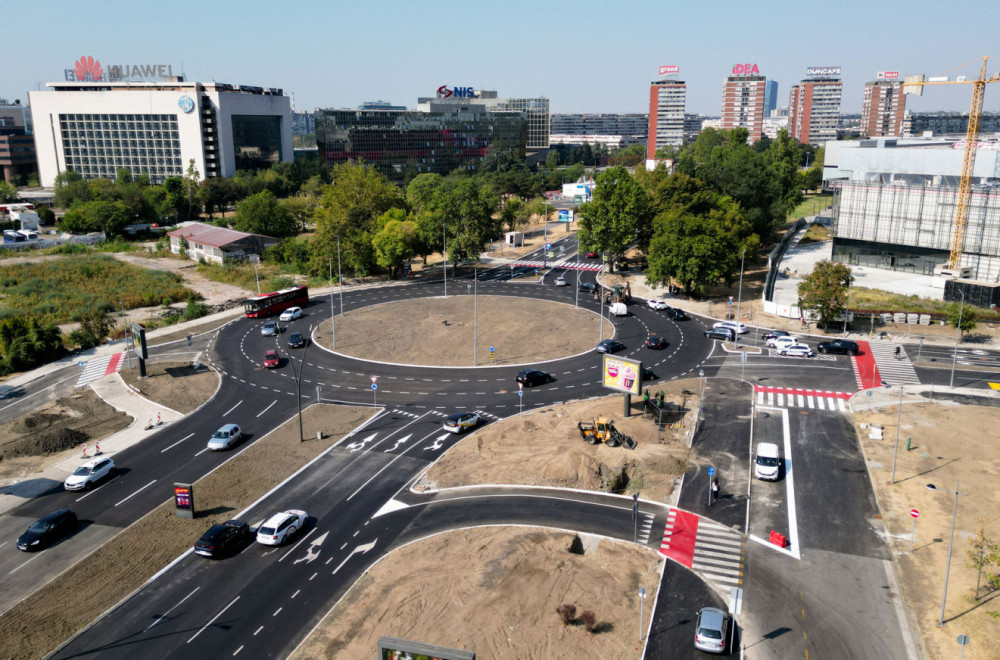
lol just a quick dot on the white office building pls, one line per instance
(158, 128)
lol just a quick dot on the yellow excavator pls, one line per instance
(603, 430)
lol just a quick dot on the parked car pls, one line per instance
(561, 281)
(296, 340)
(610, 346)
(47, 530)
(842, 346)
(778, 342)
(796, 350)
(711, 630)
(90, 474)
(776, 333)
(291, 314)
(223, 539)
(656, 342)
(281, 527)
(657, 304)
(725, 334)
(270, 329)
(271, 359)
(738, 328)
(461, 422)
(532, 377)
(225, 437)
(587, 287)
(767, 464)
(677, 314)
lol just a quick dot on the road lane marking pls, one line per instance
(297, 544)
(137, 492)
(258, 630)
(24, 564)
(221, 612)
(296, 593)
(277, 611)
(268, 408)
(237, 650)
(165, 614)
(202, 451)
(233, 408)
(177, 443)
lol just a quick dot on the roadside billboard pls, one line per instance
(622, 374)
(565, 215)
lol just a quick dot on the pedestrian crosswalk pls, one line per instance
(712, 550)
(893, 370)
(562, 263)
(791, 397)
(100, 367)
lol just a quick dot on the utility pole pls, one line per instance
(333, 322)
(444, 255)
(958, 336)
(340, 278)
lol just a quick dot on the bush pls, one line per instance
(567, 612)
(589, 620)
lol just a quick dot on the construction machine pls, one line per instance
(603, 430)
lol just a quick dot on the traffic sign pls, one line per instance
(711, 470)
(520, 392)
(520, 386)
(374, 386)
(914, 513)
(491, 349)
(548, 246)
(374, 378)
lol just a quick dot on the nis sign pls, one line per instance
(89, 69)
(745, 70)
(445, 92)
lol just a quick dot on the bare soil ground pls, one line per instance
(544, 448)
(950, 443)
(36, 625)
(498, 597)
(175, 385)
(439, 331)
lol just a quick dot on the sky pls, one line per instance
(585, 56)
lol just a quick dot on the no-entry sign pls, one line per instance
(914, 513)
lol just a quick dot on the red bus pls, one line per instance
(278, 301)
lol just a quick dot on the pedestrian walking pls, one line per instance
(715, 489)
(899, 352)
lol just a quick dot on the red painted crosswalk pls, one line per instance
(865, 369)
(711, 550)
(679, 537)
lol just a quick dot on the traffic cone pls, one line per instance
(85, 450)
(97, 448)
(149, 424)
(158, 422)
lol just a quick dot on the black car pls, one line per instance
(223, 539)
(843, 346)
(531, 377)
(587, 287)
(776, 333)
(296, 340)
(610, 346)
(725, 334)
(677, 314)
(47, 530)
(656, 342)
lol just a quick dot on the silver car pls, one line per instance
(711, 630)
(225, 437)
(270, 329)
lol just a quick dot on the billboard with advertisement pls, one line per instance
(622, 374)
(823, 71)
(565, 215)
(667, 69)
(887, 75)
(184, 500)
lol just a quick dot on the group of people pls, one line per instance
(657, 399)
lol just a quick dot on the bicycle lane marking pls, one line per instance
(865, 370)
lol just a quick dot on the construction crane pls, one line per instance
(915, 85)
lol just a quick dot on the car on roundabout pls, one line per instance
(270, 329)
(461, 422)
(281, 527)
(291, 314)
(223, 539)
(842, 346)
(587, 287)
(677, 314)
(711, 630)
(738, 328)
(90, 474)
(591, 255)
(296, 340)
(723, 334)
(774, 334)
(657, 304)
(656, 342)
(227, 436)
(796, 350)
(561, 281)
(610, 346)
(778, 342)
(532, 377)
(271, 359)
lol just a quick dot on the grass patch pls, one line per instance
(59, 291)
(815, 233)
(865, 300)
(811, 205)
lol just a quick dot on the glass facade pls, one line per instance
(256, 141)
(402, 144)
(536, 114)
(97, 146)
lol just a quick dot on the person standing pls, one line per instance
(715, 489)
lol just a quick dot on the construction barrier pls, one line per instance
(778, 539)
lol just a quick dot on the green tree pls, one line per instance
(983, 552)
(395, 242)
(263, 214)
(620, 208)
(70, 189)
(422, 189)
(514, 213)
(467, 209)
(25, 343)
(552, 159)
(824, 290)
(85, 217)
(300, 209)
(8, 193)
(963, 317)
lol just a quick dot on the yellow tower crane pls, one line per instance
(915, 85)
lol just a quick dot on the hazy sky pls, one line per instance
(585, 56)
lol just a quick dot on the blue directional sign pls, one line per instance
(548, 246)
(491, 349)
(711, 471)
(520, 393)
(374, 386)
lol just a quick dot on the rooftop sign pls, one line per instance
(668, 69)
(887, 75)
(823, 71)
(746, 70)
(88, 69)
(445, 92)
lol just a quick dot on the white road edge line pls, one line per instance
(793, 523)
(177, 443)
(233, 408)
(165, 614)
(268, 408)
(221, 612)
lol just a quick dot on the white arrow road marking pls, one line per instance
(399, 442)
(389, 507)
(437, 443)
(362, 549)
(355, 446)
(313, 552)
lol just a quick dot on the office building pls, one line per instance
(743, 104)
(609, 141)
(158, 128)
(630, 124)
(535, 111)
(17, 155)
(770, 97)
(814, 106)
(303, 123)
(883, 109)
(947, 123)
(667, 99)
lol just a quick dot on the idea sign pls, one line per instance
(745, 70)
(887, 75)
(445, 92)
(669, 68)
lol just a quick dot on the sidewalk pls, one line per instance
(886, 397)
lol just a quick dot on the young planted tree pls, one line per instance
(824, 290)
(983, 552)
(961, 316)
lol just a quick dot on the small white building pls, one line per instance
(217, 244)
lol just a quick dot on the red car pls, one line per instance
(591, 255)
(271, 359)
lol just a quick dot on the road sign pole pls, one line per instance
(711, 473)
(642, 597)
(913, 531)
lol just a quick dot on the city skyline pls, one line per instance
(583, 58)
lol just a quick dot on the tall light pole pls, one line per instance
(739, 299)
(298, 379)
(847, 309)
(895, 449)
(577, 303)
(333, 321)
(473, 289)
(545, 236)
(600, 291)
(444, 254)
(951, 543)
(340, 278)
(958, 335)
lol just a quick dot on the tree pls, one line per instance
(467, 210)
(70, 189)
(552, 159)
(619, 209)
(85, 217)
(965, 313)
(421, 190)
(263, 214)
(824, 290)
(25, 343)
(300, 209)
(8, 193)
(514, 213)
(395, 243)
(983, 552)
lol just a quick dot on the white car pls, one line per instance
(225, 437)
(778, 342)
(281, 527)
(657, 304)
(796, 350)
(461, 422)
(561, 281)
(89, 474)
(738, 328)
(291, 314)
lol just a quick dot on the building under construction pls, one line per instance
(894, 205)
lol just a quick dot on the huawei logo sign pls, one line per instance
(88, 69)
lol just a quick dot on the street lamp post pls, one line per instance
(701, 388)
(600, 290)
(577, 303)
(340, 279)
(333, 321)
(895, 449)
(444, 255)
(958, 335)
(847, 309)
(298, 380)
(951, 543)
(739, 298)
(473, 290)
(545, 237)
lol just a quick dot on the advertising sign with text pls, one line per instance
(746, 70)
(668, 69)
(823, 71)
(622, 374)
(887, 75)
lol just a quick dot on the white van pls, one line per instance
(618, 309)
(767, 465)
